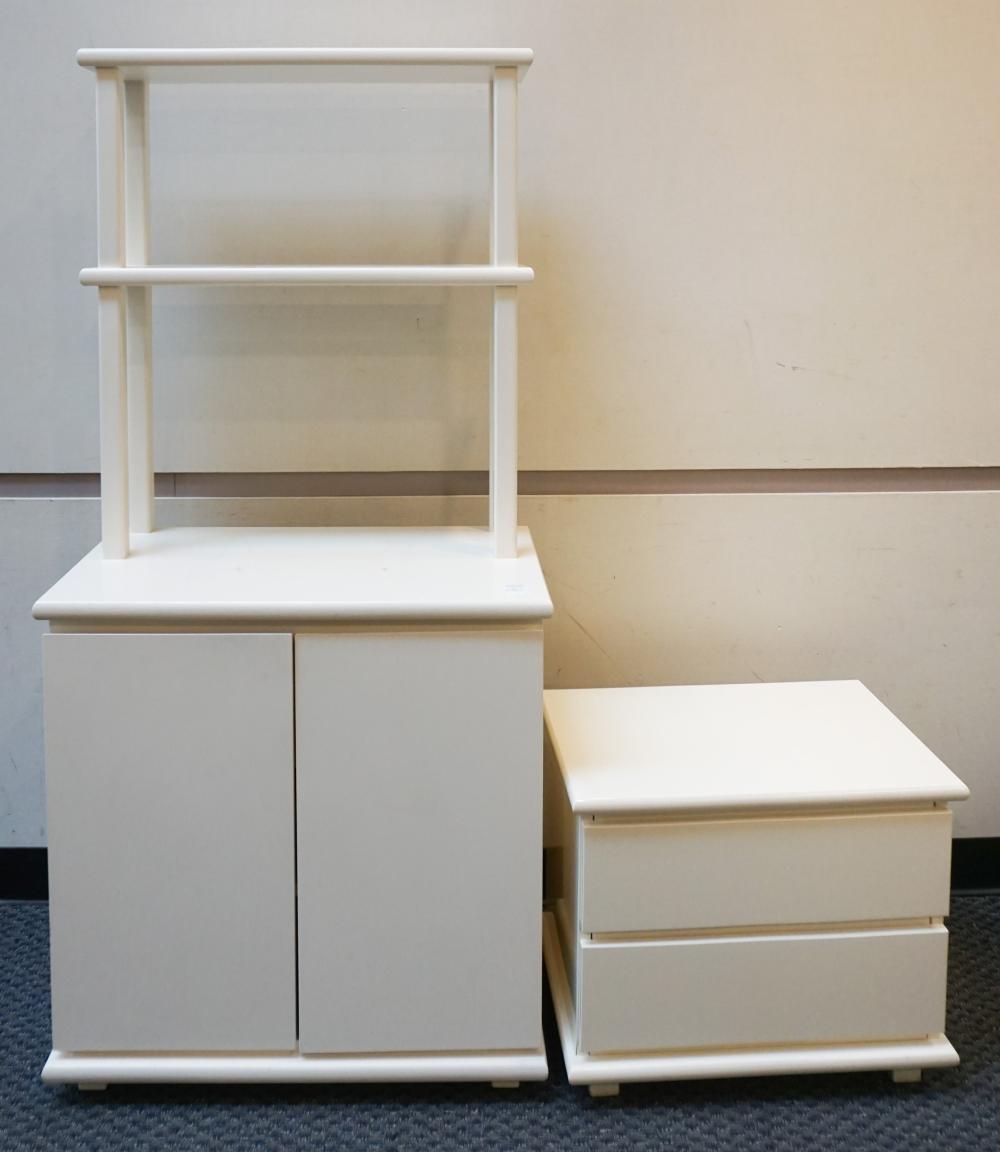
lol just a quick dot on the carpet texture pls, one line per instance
(954, 1108)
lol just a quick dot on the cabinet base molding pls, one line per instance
(904, 1058)
(93, 1070)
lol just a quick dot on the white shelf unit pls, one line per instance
(294, 775)
(124, 277)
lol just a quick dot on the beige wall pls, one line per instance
(765, 237)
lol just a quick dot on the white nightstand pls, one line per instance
(746, 879)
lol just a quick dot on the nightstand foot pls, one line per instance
(91, 1086)
(598, 1090)
(906, 1075)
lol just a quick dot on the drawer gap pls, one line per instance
(754, 931)
(625, 1053)
(744, 813)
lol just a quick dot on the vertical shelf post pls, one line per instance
(138, 309)
(111, 316)
(503, 351)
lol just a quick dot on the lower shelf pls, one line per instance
(291, 1068)
(286, 576)
(895, 1056)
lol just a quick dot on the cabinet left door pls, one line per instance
(170, 776)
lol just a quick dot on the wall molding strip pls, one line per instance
(595, 482)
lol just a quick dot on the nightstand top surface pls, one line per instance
(302, 576)
(696, 748)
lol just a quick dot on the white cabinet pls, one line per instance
(171, 841)
(310, 852)
(419, 840)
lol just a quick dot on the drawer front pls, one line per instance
(781, 870)
(805, 988)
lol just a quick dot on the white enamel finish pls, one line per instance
(503, 167)
(503, 348)
(779, 870)
(583, 1068)
(110, 123)
(309, 65)
(304, 575)
(114, 425)
(677, 749)
(387, 275)
(503, 423)
(689, 930)
(139, 388)
(138, 309)
(419, 841)
(136, 95)
(111, 316)
(173, 754)
(171, 823)
(279, 1068)
(793, 988)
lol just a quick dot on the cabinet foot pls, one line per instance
(906, 1075)
(92, 1086)
(610, 1089)
(506, 1083)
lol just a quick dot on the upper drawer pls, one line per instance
(777, 870)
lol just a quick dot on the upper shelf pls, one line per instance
(308, 65)
(483, 275)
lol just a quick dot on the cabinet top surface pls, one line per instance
(303, 575)
(256, 65)
(703, 747)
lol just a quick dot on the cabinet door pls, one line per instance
(171, 841)
(419, 840)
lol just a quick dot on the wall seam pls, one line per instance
(590, 482)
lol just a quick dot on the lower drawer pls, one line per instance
(725, 991)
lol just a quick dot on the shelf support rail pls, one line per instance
(124, 317)
(111, 315)
(503, 344)
(138, 309)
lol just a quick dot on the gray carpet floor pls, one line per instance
(953, 1108)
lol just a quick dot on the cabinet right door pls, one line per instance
(419, 806)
